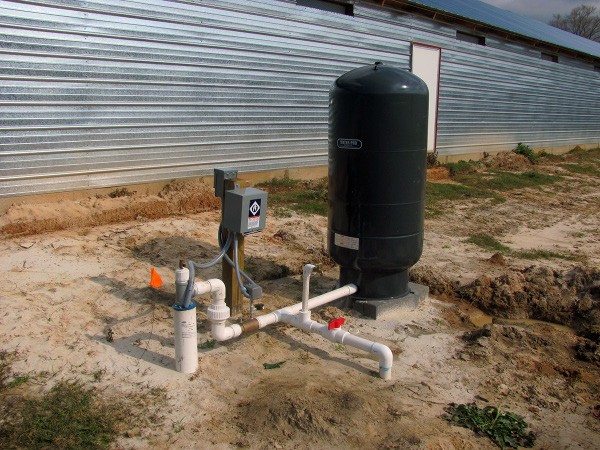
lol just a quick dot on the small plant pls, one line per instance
(99, 374)
(209, 343)
(432, 160)
(121, 192)
(504, 428)
(339, 348)
(526, 151)
(282, 213)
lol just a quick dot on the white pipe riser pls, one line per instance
(186, 340)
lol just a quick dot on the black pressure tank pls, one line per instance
(377, 171)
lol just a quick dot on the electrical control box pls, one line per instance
(245, 210)
(220, 176)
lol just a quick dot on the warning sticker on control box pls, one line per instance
(345, 241)
(254, 214)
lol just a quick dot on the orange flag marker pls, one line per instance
(155, 279)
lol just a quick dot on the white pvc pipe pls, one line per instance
(315, 302)
(297, 315)
(186, 340)
(308, 268)
(218, 311)
(344, 337)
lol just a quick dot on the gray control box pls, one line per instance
(245, 210)
(220, 176)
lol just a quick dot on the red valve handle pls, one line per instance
(336, 323)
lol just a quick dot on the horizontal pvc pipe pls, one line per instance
(315, 302)
(344, 337)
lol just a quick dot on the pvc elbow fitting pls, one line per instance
(386, 358)
(222, 333)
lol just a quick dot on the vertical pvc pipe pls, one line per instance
(186, 338)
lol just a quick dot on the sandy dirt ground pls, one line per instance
(63, 290)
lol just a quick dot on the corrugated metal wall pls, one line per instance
(105, 93)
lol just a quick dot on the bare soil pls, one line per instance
(75, 270)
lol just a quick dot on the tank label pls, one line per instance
(351, 144)
(346, 241)
(254, 214)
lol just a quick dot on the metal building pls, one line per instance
(114, 92)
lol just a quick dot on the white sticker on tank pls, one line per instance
(346, 241)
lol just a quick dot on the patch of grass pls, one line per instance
(526, 151)
(282, 212)
(542, 254)
(504, 428)
(460, 168)
(582, 169)
(68, 417)
(340, 348)
(491, 244)
(8, 378)
(304, 197)
(436, 193)
(506, 181)
(278, 183)
(488, 242)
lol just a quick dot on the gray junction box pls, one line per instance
(245, 210)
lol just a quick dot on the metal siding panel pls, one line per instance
(490, 101)
(97, 94)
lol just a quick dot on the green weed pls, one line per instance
(504, 428)
(209, 343)
(121, 192)
(526, 151)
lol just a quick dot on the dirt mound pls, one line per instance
(570, 298)
(178, 197)
(325, 414)
(438, 283)
(188, 196)
(438, 173)
(509, 161)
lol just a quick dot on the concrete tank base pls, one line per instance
(377, 309)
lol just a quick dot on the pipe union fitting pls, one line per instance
(218, 313)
